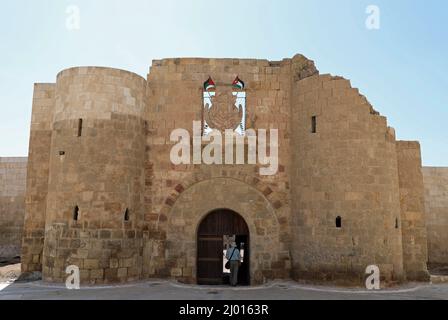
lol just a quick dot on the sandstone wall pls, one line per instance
(12, 205)
(436, 203)
(175, 101)
(37, 177)
(95, 186)
(103, 194)
(347, 169)
(413, 224)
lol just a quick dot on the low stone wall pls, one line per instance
(436, 204)
(12, 205)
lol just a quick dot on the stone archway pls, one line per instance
(194, 203)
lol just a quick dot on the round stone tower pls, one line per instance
(96, 180)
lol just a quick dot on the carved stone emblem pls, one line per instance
(224, 112)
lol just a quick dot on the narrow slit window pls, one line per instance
(76, 213)
(313, 124)
(79, 127)
(126, 215)
(338, 222)
(396, 223)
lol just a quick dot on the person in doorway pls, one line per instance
(233, 255)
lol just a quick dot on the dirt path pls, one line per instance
(10, 272)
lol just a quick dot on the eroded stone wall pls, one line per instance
(12, 205)
(436, 203)
(347, 168)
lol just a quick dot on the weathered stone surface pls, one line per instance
(412, 203)
(83, 175)
(436, 203)
(347, 169)
(12, 205)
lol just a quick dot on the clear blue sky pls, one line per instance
(402, 68)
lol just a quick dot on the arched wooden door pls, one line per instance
(210, 254)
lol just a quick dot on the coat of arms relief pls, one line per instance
(224, 107)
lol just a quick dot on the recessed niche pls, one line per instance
(338, 222)
(126, 215)
(76, 213)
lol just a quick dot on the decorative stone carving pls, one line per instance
(224, 113)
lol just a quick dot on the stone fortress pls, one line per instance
(102, 193)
